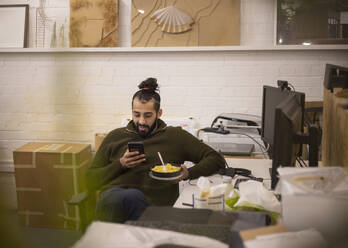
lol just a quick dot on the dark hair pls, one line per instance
(148, 90)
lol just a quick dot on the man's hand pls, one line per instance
(131, 159)
(185, 174)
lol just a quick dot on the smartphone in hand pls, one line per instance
(136, 146)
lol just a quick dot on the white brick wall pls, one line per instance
(70, 96)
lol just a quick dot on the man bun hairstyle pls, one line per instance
(148, 90)
(149, 84)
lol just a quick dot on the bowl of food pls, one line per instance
(167, 170)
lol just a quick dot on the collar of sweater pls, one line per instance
(161, 126)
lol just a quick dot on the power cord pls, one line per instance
(302, 162)
(234, 171)
(264, 150)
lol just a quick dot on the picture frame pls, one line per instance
(310, 22)
(14, 20)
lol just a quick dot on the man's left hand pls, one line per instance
(185, 174)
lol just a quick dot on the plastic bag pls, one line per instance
(207, 190)
(203, 184)
(254, 195)
(211, 197)
(232, 198)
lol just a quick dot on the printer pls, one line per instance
(234, 134)
(230, 120)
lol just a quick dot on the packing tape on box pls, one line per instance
(27, 215)
(54, 147)
(28, 189)
(76, 185)
(33, 159)
(71, 166)
(67, 218)
(74, 168)
(62, 154)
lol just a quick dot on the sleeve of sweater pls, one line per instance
(207, 160)
(102, 169)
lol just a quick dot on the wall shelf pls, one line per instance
(176, 49)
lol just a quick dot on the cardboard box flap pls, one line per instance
(50, 147)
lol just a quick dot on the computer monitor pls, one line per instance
(272, 96)
(289, 137)
(335, 77)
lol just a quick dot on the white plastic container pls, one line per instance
(324, 208)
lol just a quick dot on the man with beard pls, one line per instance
(123, 176)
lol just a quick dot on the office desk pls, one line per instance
(258, 167)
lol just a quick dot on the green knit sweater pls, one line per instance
(175, 145)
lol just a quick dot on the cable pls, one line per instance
(267, 148)
(299, 162)
(263, 149)
(192, 184)
(293, 88)
(199, 130)
(305, 164)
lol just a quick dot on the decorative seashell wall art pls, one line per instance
(185, 23)
(172, 20)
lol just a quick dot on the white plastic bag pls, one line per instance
(254, 194)
(203, 184)
(211, 197)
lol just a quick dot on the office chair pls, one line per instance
(86, 203)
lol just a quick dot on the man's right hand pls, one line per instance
(131, 159)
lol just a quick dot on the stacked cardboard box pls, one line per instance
(47, 176)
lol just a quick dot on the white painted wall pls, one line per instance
(68, 97)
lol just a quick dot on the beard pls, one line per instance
(147, 132)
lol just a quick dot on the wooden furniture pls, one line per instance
(335, 129)
(314, 111)
(313, 115)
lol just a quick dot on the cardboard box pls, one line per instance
(47, 176)
(98, 139)
(251, 234)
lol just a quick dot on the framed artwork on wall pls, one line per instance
(93, 23)
(307, 22)
(14, 26)
(156, 23)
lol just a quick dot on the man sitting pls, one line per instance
(123, 176)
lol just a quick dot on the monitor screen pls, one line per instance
(273, 96)
(335, 77)
(288, 123)
(288, 126)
